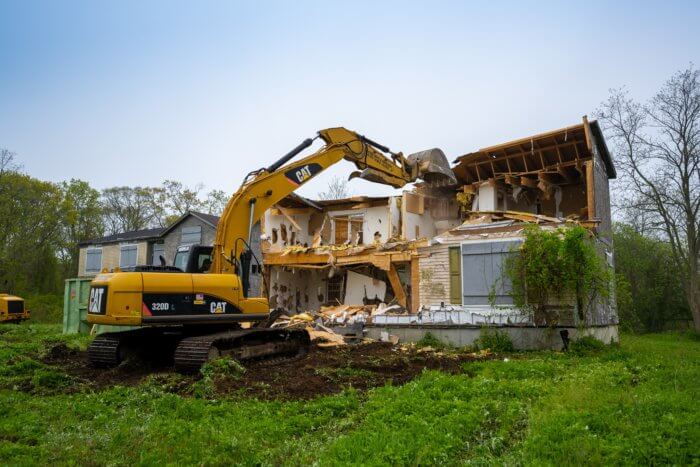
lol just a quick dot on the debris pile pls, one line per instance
(324, 326)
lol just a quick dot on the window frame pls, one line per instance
(87, 255)
(155, 261)
(182, 235)
(121, 254)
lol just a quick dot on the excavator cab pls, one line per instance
(193, 258)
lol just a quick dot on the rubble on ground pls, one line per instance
(319, 323)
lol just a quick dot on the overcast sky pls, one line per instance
(134, 92)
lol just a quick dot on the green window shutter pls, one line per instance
(455, 276)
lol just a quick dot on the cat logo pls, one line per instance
(217, 308)
(96, 300)
(302, 174)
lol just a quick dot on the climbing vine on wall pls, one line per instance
(557, 265)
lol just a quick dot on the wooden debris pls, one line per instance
(325, 338)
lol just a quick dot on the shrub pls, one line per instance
(495, 340)
(430, 340)
(586, 345)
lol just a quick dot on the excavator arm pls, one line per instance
(264, 188)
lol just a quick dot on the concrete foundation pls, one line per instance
(524, 338)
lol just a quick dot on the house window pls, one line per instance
(348, 229)
(158, 251)
(191, 235)
(334, 290)
(127, 256)
(93, 261)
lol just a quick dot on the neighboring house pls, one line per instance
(128, 249)
(121, 250)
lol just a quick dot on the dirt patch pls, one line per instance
(75, 364)
(328, 371)
(323, 371)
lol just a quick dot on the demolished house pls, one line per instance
(431, 258)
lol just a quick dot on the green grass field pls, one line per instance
(632, 404)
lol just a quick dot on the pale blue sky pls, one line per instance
(133, 92)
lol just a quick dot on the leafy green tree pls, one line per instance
(128, 208)
(649, 290)
(83, 220)
(216, 202)
(179, 198)
(30, 233)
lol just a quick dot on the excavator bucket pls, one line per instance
(432, 167)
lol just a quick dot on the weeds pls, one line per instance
(430, 340)
(214, 371)
(586, 345)
(494, 340)
(343, 374)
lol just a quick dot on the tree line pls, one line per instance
(44, 222)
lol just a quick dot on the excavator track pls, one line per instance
(111, 348)
(243, 345)
(105, 350)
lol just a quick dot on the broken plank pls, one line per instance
(395, 281)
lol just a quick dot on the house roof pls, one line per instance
(134, 235)
(294, 200)
(151, 234)
(560, 152)
(209, 219)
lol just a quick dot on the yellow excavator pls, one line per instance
(12, 309)
(192, 313)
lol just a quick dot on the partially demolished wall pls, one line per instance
(435, 252)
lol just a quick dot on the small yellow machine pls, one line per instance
(12, 309)
(193, 312)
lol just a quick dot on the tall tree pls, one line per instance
(215, 202)
(127, 208)
(8, 161)
(658, 149)
(180, 198)
(82, 219)
(30, 233)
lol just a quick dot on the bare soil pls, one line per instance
(323, 371)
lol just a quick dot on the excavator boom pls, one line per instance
(264, 188)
